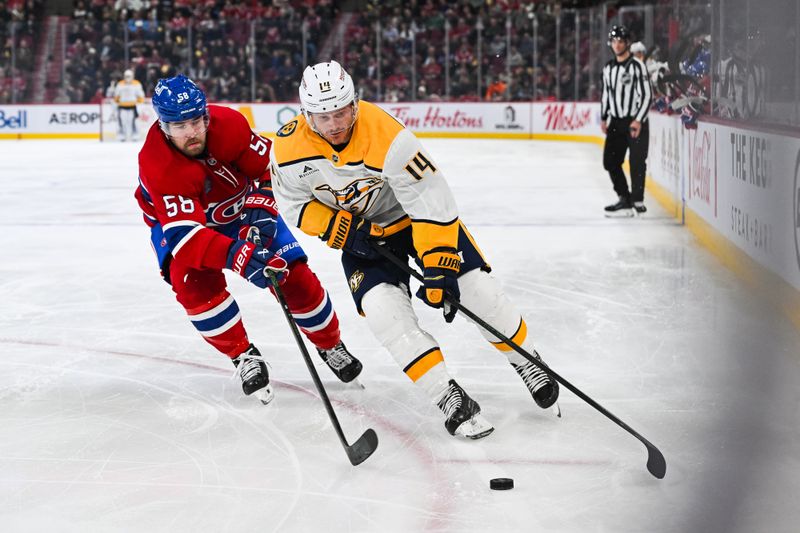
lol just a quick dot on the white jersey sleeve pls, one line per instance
(417, 181)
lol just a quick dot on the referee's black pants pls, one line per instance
(619, 141)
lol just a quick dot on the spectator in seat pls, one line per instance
(496, 91)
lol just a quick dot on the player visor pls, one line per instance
(186, 128)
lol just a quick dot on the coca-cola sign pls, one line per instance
(701, 166)
(566, 117)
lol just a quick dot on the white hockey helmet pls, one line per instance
(326, 87)
(638, 47)
(128, 75)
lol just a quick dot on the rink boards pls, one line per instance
(503, 120)
(738, 190)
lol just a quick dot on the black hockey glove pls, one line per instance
(440, 272)
(352, 234)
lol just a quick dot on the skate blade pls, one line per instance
(355, 382)
(476, 427)
(265, 395)
(622, 213)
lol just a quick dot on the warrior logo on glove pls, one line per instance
(440, 274)
(352, 235)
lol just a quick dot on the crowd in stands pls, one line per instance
(18, 34)
(432, 28)
(414, 39)
(209, 41)
(397, 50)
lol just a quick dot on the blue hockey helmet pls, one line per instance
(179, 98)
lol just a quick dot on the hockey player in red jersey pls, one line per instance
(204, 187)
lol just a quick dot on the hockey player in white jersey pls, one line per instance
(127, 94)
(350, 173)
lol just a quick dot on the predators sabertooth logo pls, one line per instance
(355, 280)
(357, 196)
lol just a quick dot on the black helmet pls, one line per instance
(619, 32)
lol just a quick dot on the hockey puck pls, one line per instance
(501, 483)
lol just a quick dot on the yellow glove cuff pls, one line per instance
(448, 260)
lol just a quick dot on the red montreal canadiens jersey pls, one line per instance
(197, 199)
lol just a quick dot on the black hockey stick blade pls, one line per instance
(360, 450)
(656, 464)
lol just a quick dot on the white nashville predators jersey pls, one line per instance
(383, 175)
(128, 93)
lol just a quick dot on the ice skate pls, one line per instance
(463, 413)
(623, 208)
(341, 362)
(640, 208)
(542, 387)
(252, 370)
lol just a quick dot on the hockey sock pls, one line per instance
(311, 307)
(220, 323)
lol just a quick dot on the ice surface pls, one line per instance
(116, 416)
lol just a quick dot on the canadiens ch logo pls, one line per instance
(221, 213)
(357, 196)
(287, 129)
(355, 280)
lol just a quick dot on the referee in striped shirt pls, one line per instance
(623, 110)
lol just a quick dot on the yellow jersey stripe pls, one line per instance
(396, 227)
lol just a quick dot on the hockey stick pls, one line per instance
(361, 449)
(656, 464)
